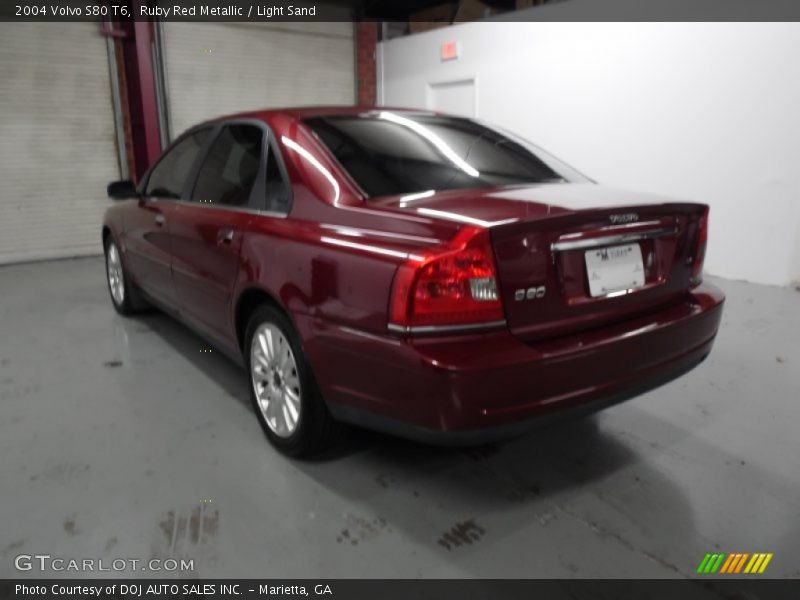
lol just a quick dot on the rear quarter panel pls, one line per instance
(333, 257)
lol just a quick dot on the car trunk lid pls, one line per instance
(572, 257)
(592, 267)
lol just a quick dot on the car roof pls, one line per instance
(304, 112)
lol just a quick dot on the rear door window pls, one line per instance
(230, 169)
(168, 177)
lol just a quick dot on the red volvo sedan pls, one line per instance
(420, 274)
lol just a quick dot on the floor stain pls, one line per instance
(571, 567)
(524, 493)
(200, 427)
(780, 359)
(483, 452)
(13, 546)
(384, 480)
(464, 533)
(545, 518)
(20, 391)
(361, 530)
(111, 364)
(184, 530)
(110, 544)
(70, 527)
(602, 531)
(62, 473)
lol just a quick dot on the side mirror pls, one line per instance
(120, 190)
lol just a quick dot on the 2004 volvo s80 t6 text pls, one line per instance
(416, 273)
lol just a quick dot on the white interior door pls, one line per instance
(453, 97)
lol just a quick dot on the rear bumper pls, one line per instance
(475, 388)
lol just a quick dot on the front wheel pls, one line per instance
(283, 391)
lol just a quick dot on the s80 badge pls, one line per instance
(532, 293)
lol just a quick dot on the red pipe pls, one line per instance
(151, 137)
(137, 39)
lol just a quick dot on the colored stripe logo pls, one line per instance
(736, 562)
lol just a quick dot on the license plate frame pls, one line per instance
(614, 270)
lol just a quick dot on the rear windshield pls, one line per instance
(389, 153)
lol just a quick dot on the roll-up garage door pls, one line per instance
(214, 69)
(57, 141)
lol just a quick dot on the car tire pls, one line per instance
(283, 391)
(125, 296)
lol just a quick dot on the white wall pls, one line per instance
(699, 111)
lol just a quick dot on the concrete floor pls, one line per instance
(120, 438)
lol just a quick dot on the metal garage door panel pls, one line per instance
(219, 68)
(57, 140)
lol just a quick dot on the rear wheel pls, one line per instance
(124, 295)
(283, 391)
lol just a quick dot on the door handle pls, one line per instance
(160, 220)
(225, 236)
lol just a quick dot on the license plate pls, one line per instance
(614, 269)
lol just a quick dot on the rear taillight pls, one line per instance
(451, 286)
(699, 251)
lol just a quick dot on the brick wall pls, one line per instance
(366, 70)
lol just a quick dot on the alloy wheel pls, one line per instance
(116, 283)
(273, 372)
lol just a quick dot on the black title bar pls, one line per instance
(347, 10)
